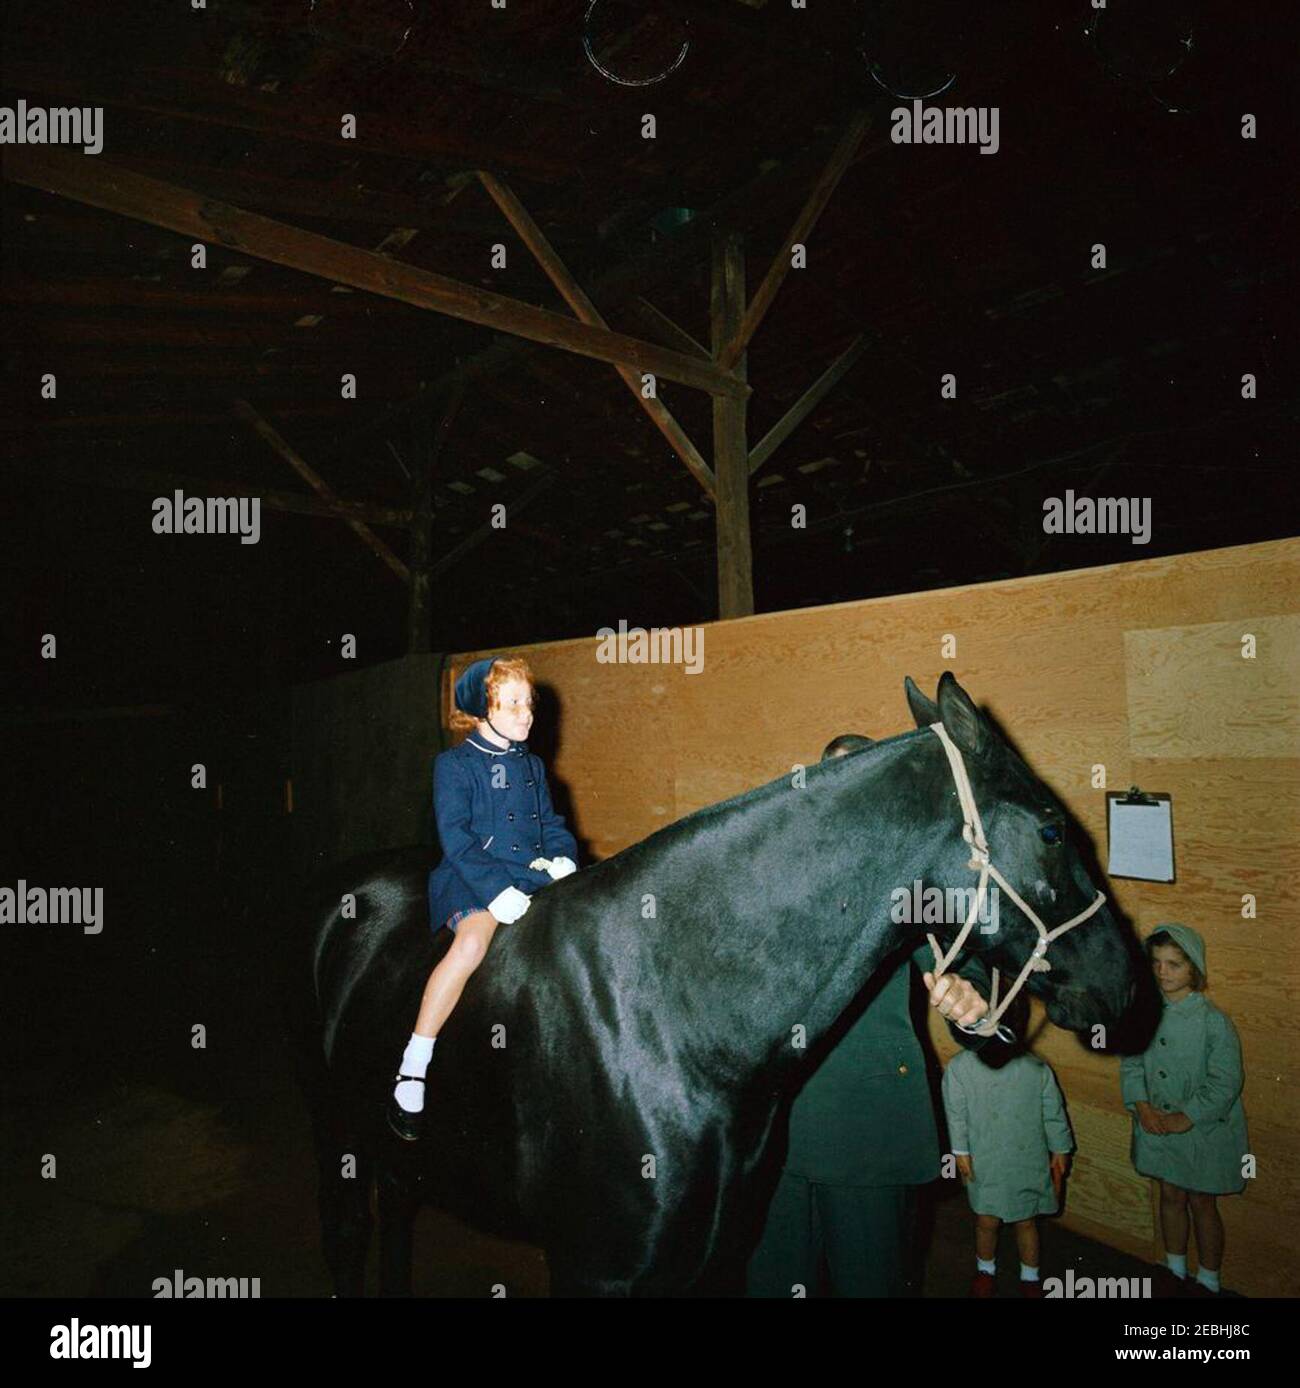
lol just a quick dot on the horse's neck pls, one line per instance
(810, 918)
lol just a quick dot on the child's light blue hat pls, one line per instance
(1188, 940)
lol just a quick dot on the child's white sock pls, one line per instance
(1028, 1274)
(415, 1061)
(989, 1265)
(1176, 1263)
(1208, 1279)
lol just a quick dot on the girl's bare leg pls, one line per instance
(1208, 1223)
(986, 1236)
(1173, 1217)
(447, 981)
(1027, 1242)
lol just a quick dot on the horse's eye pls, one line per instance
(1050, 834)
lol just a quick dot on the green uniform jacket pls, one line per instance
(1009, 1121)
(1192, 1066)
(865, 1117)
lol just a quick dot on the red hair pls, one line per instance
(504, 669)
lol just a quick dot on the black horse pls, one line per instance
(611, 1074)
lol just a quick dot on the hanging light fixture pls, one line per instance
(910, 49)
(380, 30)
(1143, 45)
(639, 51)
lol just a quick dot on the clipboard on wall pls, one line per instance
(1140, 836)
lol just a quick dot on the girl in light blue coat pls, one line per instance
(1184, 1092)
(1012, 1142)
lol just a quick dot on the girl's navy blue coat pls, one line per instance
(494, 816)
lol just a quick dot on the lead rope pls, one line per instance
(973, 833)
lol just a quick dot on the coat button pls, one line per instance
(534, 815)
(514, 848)
(528, 783)
(1162, 1074)
(537, 847)
(510, 815)
(1164, 1040)
(902, 1069)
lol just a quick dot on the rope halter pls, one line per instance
(973, 833)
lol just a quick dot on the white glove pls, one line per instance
(561, 867)
(509, 906)
(540, 864)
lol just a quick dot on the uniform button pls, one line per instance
(537, 847)
(1164, 1040)
(528, 783)
(510, 815)
(902, 1069)
(534, 814)
(514, 848)
(1162, 1074)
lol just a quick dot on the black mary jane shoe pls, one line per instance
(405, 1125)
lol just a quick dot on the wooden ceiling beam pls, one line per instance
(839, 161)
(575, 296)
(74, 176)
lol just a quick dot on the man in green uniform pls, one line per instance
(862, 1138)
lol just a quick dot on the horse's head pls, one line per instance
(1092, 972)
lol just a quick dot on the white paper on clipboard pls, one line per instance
(1141, 840)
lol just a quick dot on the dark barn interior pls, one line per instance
(450, 303)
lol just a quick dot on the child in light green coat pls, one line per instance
(1012, 1142)
(1184, 1092)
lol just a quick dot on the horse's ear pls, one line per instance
(963, 721)
(924, 710)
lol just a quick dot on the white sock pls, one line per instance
(1208, 1279)
(1176, 1263)
(989, 1265)
(415, 1061)
(1028, 1274)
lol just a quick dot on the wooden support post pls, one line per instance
(730, 450)
(431, 442)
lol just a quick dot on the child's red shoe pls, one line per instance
(1032, 1290)
(983, 1284)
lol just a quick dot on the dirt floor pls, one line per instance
(128, 1153)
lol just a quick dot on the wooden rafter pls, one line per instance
(804, 223)
(319, 485)
(535, 239)
(666, 330)
(476, 537)
(805, 404)
(162, 204)
(127, 477)
(432, 440)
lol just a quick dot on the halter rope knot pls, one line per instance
(972, 831)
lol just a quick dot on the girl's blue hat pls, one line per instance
(471, 688)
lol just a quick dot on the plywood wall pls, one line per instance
(1138, 667)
